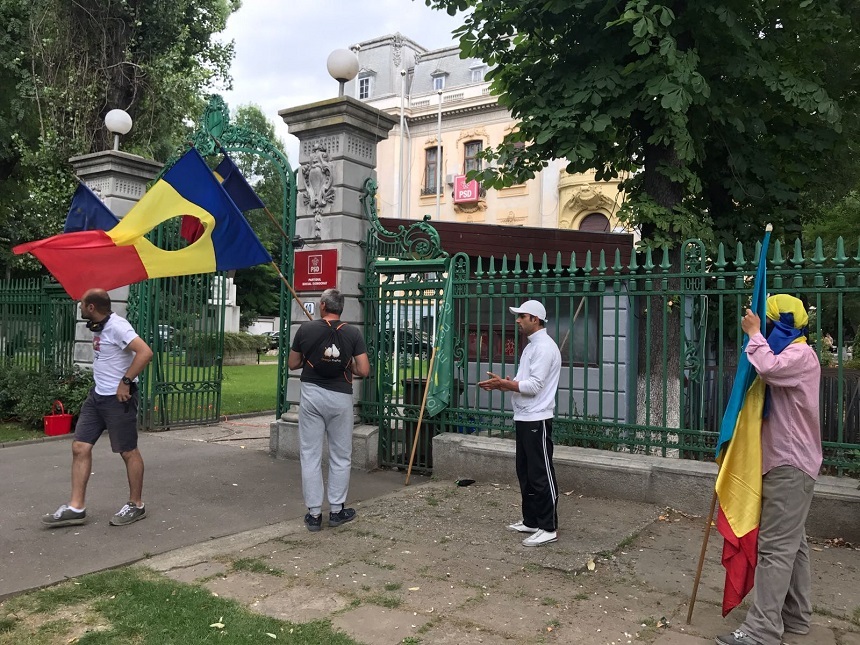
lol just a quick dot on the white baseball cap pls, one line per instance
(532, 307)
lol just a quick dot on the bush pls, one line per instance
(201, 349)
(28, 396)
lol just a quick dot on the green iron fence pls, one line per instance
(649, 348)
(37, 324)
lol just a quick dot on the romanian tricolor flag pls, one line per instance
(123, 256)
(739, 456)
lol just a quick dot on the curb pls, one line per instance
(27, 442)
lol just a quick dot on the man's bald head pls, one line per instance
(99, 299)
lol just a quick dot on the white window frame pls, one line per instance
(478, 73)
(362, 79)
(438, 83)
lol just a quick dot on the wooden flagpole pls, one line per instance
(420, 416)
(702, 557)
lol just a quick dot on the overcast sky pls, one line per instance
(282, 47)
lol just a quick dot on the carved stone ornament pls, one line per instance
(588, 198)
(317, 176)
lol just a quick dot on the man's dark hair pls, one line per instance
(99, 299)
(333, 301)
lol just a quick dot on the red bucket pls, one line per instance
(58, 423)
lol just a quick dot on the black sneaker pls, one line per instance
(128, 514)
(64, 516)
(343, 516)
(313, 522)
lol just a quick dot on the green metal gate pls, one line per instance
(403, 290)
(182, 318)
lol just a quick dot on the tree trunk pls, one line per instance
(658, 388)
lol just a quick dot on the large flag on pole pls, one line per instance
(88, 213)
(123, 256)
(440, 377)
(739, 456)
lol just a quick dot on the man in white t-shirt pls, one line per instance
(534, 388)
(119, 356)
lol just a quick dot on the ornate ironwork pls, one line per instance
(171, 396)
(419, 241)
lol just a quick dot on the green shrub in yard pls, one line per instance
(28, 396)
(200, 349)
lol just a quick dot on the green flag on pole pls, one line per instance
(439, 392)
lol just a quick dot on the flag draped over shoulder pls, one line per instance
(739, 455)
(123, 256)
(237, 188)
(88, 213)
(439, 392)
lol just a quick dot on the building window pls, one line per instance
(364, 87)
(438, 83)
(430, 170)
(478, 74)
(470, 157)
(595, 222)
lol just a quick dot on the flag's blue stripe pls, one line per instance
(745, 374)
(236, 246)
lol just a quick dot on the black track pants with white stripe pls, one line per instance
(536, 474)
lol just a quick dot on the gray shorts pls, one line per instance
(100, 412)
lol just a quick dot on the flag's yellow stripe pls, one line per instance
(739, 481)
(161, 203)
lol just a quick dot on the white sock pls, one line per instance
(77, 510)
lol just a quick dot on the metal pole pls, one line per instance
(398, 180)
(439, 158)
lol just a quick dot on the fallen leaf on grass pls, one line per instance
(271, 635)
(569, 493)
(590, 565)
(414, 588)
(219, 624)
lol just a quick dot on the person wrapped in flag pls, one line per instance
(791, 457)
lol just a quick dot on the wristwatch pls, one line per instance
(126, 380)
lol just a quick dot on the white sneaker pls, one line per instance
(540, 538)
(519, 527)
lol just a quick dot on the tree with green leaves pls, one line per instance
(717, 115)
(64, 65)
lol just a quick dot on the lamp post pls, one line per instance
(342, 65)
(118, 122)
(439, 157)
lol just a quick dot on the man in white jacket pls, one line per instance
(534, 388)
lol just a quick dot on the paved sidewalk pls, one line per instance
(431, 563)
(201, 483)
(434, 564)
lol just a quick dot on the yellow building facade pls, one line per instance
(448, 116)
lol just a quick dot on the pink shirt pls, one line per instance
(791, 435)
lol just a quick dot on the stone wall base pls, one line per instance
(684, 485)
(284, 442)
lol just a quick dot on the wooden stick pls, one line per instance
(292, 291)
(420, 416)
(702, 557)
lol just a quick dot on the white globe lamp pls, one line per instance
(118, 122)
(342, 64)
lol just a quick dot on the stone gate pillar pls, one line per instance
(337, 154)
(120, 179)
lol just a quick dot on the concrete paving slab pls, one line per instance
(301, 604)
(371, 624)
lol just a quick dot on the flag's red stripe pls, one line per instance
(740, 554)
(86, 260)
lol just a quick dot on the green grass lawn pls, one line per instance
(249, 388)
(133, 605)
(16, 432)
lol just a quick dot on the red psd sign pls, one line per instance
(465, 191)
(315, 270)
